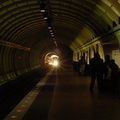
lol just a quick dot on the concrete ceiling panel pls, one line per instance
(74, 22)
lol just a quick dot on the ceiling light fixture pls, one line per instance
(49, 27)
(50, 31)
(42, 7)
(45, 15)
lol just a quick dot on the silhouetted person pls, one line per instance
(96, 66)
(107, 59)
(81, 66)
(114, 75)
(107, 77)
(107, 73)
(107, 67)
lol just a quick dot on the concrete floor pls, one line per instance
(72, 100)
(66, 96)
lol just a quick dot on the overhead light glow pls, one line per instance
(49, 27)
(45, 18)
(55, 63)
(42, 7)
(42, 11)
(45, 15)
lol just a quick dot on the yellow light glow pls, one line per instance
(19, 110)
(55, 63)
(13, 116)
(50, 63)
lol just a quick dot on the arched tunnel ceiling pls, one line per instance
(74, 22)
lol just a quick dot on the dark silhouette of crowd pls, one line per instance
(81, 67)
(106, 73)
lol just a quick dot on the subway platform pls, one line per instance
(63, 95)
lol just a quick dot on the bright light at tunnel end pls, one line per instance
(54, 63)
(52, 59)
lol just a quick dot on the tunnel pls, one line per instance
(31, 31)
(79, 27)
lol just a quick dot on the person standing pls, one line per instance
(81, 70)
(107, 69)
(96, 67)
(114, 75)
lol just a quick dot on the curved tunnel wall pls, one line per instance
(15, 62)
(104, 45)
(88, 52)
(24, 33)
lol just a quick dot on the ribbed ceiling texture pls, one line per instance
(73, 22)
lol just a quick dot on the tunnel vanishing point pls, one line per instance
(31, 29)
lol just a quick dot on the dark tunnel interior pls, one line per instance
(70, 28)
